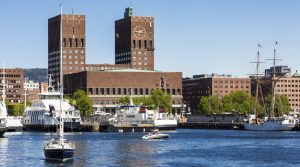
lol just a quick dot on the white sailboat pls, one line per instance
(270, 123)
(60, 149)
(3, 109)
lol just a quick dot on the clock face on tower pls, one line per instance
(139, 32)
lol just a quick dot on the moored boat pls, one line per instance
(155, 135)
(271, 123)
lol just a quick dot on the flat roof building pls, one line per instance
(106, 87)
(211, 85)
(14, 84)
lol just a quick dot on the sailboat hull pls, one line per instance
(270, 126)
(2, 131)
(59, 154)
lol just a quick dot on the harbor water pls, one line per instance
(186, 147)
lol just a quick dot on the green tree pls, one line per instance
(82, 102)
(282, 105)
(124, 100)
(210, 105)
(161, 99)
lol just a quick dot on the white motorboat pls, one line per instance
(155, 135)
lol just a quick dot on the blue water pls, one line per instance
(184, 148)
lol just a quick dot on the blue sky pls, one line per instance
(191, 36)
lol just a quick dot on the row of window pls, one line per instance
(231, 86)
(288, 81)
(138, 44)
(126, 91)
(226, 82)
(9, 76)
(287, 86)
(73, 42)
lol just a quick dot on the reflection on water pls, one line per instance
(137, 153)
(4, 151)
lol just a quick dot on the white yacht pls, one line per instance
(272, 123)
(137, 115)
(43, 115)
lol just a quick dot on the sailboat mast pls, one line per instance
(257, 84)
(3, 85)
(272, 115)
(61, 125)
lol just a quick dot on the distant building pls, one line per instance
(72, 41)
(14, 84)
(106, 87)
(207, 85)
(288, 85)
(279, 71)
(134, 41)
(32, 90)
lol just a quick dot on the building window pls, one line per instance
(125, 91)
(70, 42)
(173, 91)
(113, 91)
(134, 45)
(145, 44)
(119, 91)
(64, 42)
(76, 42)
(135, 91)
(151, 44)
(141, 91)
(140, 44)
(102, 91)
(147, 91)
(82, 42)
(107, 91)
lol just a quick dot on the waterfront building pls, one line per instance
(214, 84)
(106, 83)
(14, 84)
(134, 41)
(286, 84)
(32, 90)
(106, 87)
(73, 44)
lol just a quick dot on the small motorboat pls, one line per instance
(155, 135)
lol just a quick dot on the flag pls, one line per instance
(259, 46)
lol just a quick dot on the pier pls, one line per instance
(211, 125)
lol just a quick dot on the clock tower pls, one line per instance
(134, 41)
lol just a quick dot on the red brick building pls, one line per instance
(14, 84)
(106, 87)
(215, 85)
(72, 41)
(134, 41)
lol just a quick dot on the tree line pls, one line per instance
(242, 103)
